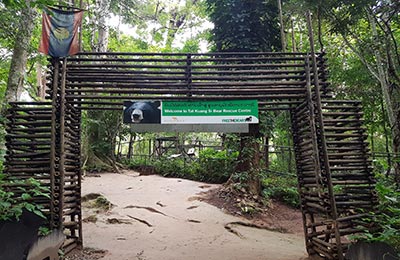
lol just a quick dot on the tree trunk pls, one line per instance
(119, 148)
(112, 152)
(176, 21)
(19, 59)
(396, 150)
(130, 148)
(249, 163)
(103, 7)
(266, 151)
(41, 82)
(387, 143)
(294, 48)
(98, 157)
(371, 137)
(391, 93)
(282, 29)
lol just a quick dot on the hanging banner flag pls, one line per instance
(60, 32)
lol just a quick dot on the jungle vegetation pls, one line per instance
(361, 39)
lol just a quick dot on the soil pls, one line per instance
(273, 215)
(86, 254)
(154, 218)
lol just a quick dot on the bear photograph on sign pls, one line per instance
(142, 112)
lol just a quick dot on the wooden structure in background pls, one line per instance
(334, 172)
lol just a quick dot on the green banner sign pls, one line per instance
(209, 112)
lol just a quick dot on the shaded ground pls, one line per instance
(274, 216)
(87, 254)
(151, 218)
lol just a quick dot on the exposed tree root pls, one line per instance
(94, 162)
(118, 221)
(193, 221)
(141, 221)
(253, 225)
(146, 208)
(230, 229)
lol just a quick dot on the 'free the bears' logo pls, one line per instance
(143, 112)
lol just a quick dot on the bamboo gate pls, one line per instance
(335, 178)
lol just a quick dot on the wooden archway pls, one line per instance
(335, 178)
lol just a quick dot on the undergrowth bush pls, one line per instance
(137, 162)
(176, 167)
(12, 206)
(387, 217)
(217, 166)
(282, 187)
(211, 166)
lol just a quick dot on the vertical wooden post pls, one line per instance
(188, 73)
(323, 146)
(314, 142)
(54, 103)
(62, 138)
(313, 128)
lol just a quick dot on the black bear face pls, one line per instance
(142, 112)
(137, 115)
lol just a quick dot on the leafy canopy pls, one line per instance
(244, 25)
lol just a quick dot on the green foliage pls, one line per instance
(231, 142)
(126, 43)
(137, 162)
(387, 218)
(282, 188)
(341, 14)
(211, 166)
(191, 46)
(216, 166)
(282, 157)
(250, 25)
(99, 138)
(2, 138)
(176, 167)
(162, 24)
(102, 203)
(44, 231)
(11, 206)
(19, 4)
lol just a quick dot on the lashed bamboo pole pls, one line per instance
(324, 155)
(53, 139)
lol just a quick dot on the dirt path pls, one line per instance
(157, 218)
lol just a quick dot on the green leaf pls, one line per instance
(392, 199)
(26, 196)
(5, 204)
(39, 213)
(30, 207)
